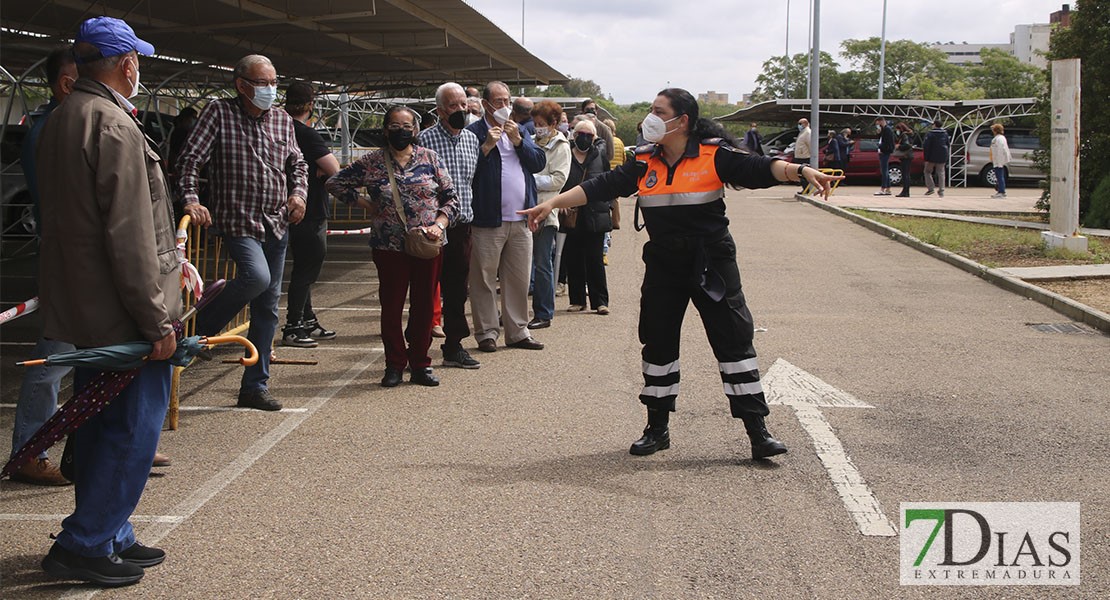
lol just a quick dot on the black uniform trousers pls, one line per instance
(308, 242)
(683, 269)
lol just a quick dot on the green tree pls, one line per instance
(1088, 39)
(1002, 75)
(904, 59)
(922, 87)
(769, 83)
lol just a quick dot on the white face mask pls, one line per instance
(542, 132)
(264, 96)
(655, 128)
(502, 114)
(135, 86)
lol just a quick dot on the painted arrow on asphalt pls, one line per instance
(788, 385)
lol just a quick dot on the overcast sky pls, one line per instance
(634, 49)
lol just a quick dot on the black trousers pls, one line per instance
(906, 164)
(453, 287)
(308, 242)
(672, 279)
(583, 255)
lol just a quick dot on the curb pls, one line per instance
(1066, 306)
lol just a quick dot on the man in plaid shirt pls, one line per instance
(458, 148)
(248, 149)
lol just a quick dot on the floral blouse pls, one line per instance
(426, 189)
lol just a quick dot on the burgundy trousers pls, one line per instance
(398, 273)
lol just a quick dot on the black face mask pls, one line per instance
(457, 119)
(583, 141)
(399, 138)
(591, 111)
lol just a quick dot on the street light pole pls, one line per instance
(786, 57)
(882, 54)
(815, 87)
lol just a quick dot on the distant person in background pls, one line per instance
(522, 114)
(753, 141)
(38, 396)
(844, 145)
(803, 145)
(583, 251)
(936, 158)
(617, 160)
(1000, 158)
(549, 182)
(829, 158)
(886, 148)
(473, 110)
(472, 92)
(903, 151)
(308, 240)
(588, 107)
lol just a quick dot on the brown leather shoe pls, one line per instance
(40, 472)
(161, 460)
(488, 345)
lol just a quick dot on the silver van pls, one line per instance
(1022, 144)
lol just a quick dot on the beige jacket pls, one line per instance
(802, 147)
(108, 270)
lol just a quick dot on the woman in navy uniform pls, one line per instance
(680, 177)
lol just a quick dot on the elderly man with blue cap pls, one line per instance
(107, 229)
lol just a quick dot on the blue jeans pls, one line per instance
(112, 454)
(258, 282)
(884, 170)
(1000, 179)
(543, 290)
(38, 396)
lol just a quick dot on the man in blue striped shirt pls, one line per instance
(458, 149)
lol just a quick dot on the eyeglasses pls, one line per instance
(272, 82)
(399, 127)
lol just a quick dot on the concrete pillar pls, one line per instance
(1064, 214)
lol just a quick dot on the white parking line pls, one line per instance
(157, 530)
(59, 517)
(238, 409)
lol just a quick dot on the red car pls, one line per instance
(864, 163)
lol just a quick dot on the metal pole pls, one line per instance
(815, 87)
(786, 55)
(809, 36)
(521, 22)
(882, 54)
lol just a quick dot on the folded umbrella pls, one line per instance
(108, 384)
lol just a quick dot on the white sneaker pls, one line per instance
(941, 193)
(1002, 195)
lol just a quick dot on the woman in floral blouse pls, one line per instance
(428, 197)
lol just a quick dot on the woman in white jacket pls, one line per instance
(1000, 157)
(546, 116)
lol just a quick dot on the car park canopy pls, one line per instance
(349, 44)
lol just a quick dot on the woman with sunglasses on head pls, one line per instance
(680, 177)
(427, 197)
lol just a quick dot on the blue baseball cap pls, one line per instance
(112, 37)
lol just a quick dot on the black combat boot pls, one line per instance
(763, 445)
(656, 437)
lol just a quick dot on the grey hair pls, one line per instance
(246, 63)
(442, 90)
(97, 66)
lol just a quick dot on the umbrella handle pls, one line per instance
(237, 339)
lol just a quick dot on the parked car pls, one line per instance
(1022, 143)
(16, 216)
(864, 163)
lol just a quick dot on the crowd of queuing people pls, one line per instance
(485, 199)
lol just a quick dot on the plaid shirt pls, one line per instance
(247, 159)
(460, 154)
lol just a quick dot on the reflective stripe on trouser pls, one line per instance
(666, 292)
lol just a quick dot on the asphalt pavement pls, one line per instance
(514, 480)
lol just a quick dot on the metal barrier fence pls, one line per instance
(835, 173)
(205, 252)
